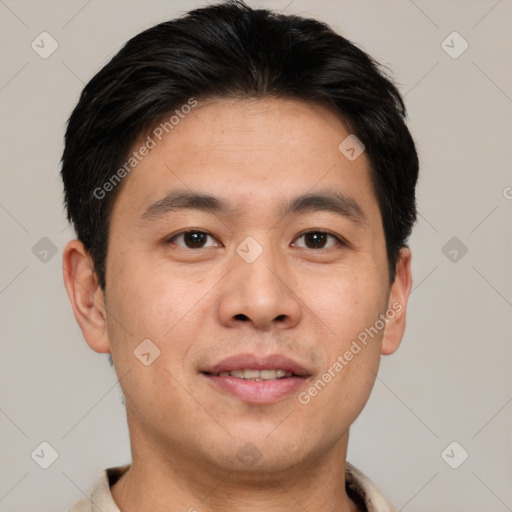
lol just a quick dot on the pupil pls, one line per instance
(194, 239)
(317, 238)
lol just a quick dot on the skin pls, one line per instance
(199, 305)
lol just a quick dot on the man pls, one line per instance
(242, 185)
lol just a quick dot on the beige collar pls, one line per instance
(358, 485)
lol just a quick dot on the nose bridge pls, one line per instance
(257, 263)
(257, 290)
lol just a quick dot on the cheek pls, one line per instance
(352, 303)
(145, 304)
(351, 346)
(148, 299)
(351, 310)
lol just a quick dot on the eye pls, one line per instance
(191, 239)
(318, 240)
(198, 240)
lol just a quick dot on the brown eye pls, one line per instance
(318, 240)
(191, 239)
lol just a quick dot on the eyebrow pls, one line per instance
(327, 200)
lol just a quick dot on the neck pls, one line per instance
(163, 477)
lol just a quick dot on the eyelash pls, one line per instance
(337, 238)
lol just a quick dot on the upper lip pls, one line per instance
(255, 362)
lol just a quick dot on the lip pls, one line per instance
(257, 392)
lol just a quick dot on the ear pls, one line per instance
(85, 295)
(398, 297)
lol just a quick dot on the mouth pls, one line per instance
(257, 375)
(257, 380)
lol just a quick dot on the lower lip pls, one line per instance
(257, 392)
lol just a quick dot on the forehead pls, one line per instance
(251, 151)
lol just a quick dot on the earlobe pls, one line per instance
(398, 297)
(85, 295)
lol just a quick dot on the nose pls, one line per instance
(260, 292)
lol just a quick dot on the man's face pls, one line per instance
(247, 281)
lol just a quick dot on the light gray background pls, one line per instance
(451, 379)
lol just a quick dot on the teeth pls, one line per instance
(269, 374)
(257, 375)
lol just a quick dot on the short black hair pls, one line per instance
(230, 50)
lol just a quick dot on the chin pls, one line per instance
(259, 454)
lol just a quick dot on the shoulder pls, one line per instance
(101, 499)
(359, 484)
